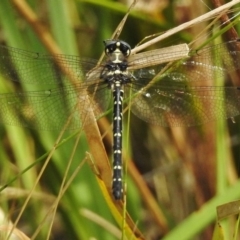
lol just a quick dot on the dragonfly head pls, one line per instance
(117, 50)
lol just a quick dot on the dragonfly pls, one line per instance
(169, 87)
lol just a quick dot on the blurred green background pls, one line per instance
(189, 171)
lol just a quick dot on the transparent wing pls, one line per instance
(212, 62)
(201, 65)
(42, 69)
(185, 106)
(50, 108)
(171, 99)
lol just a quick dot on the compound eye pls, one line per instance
(125, 48)
(110, 46)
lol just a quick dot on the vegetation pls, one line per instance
(56, 189)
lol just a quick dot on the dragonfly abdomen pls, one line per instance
(117, 142)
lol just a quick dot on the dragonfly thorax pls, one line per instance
(116, 73)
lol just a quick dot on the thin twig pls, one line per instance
(204, 17)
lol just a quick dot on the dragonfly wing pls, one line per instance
(64, 83)
(180, 105)
(164, 94)
(49, 109)
(212, 62)
(41, 69)
(200, 66)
